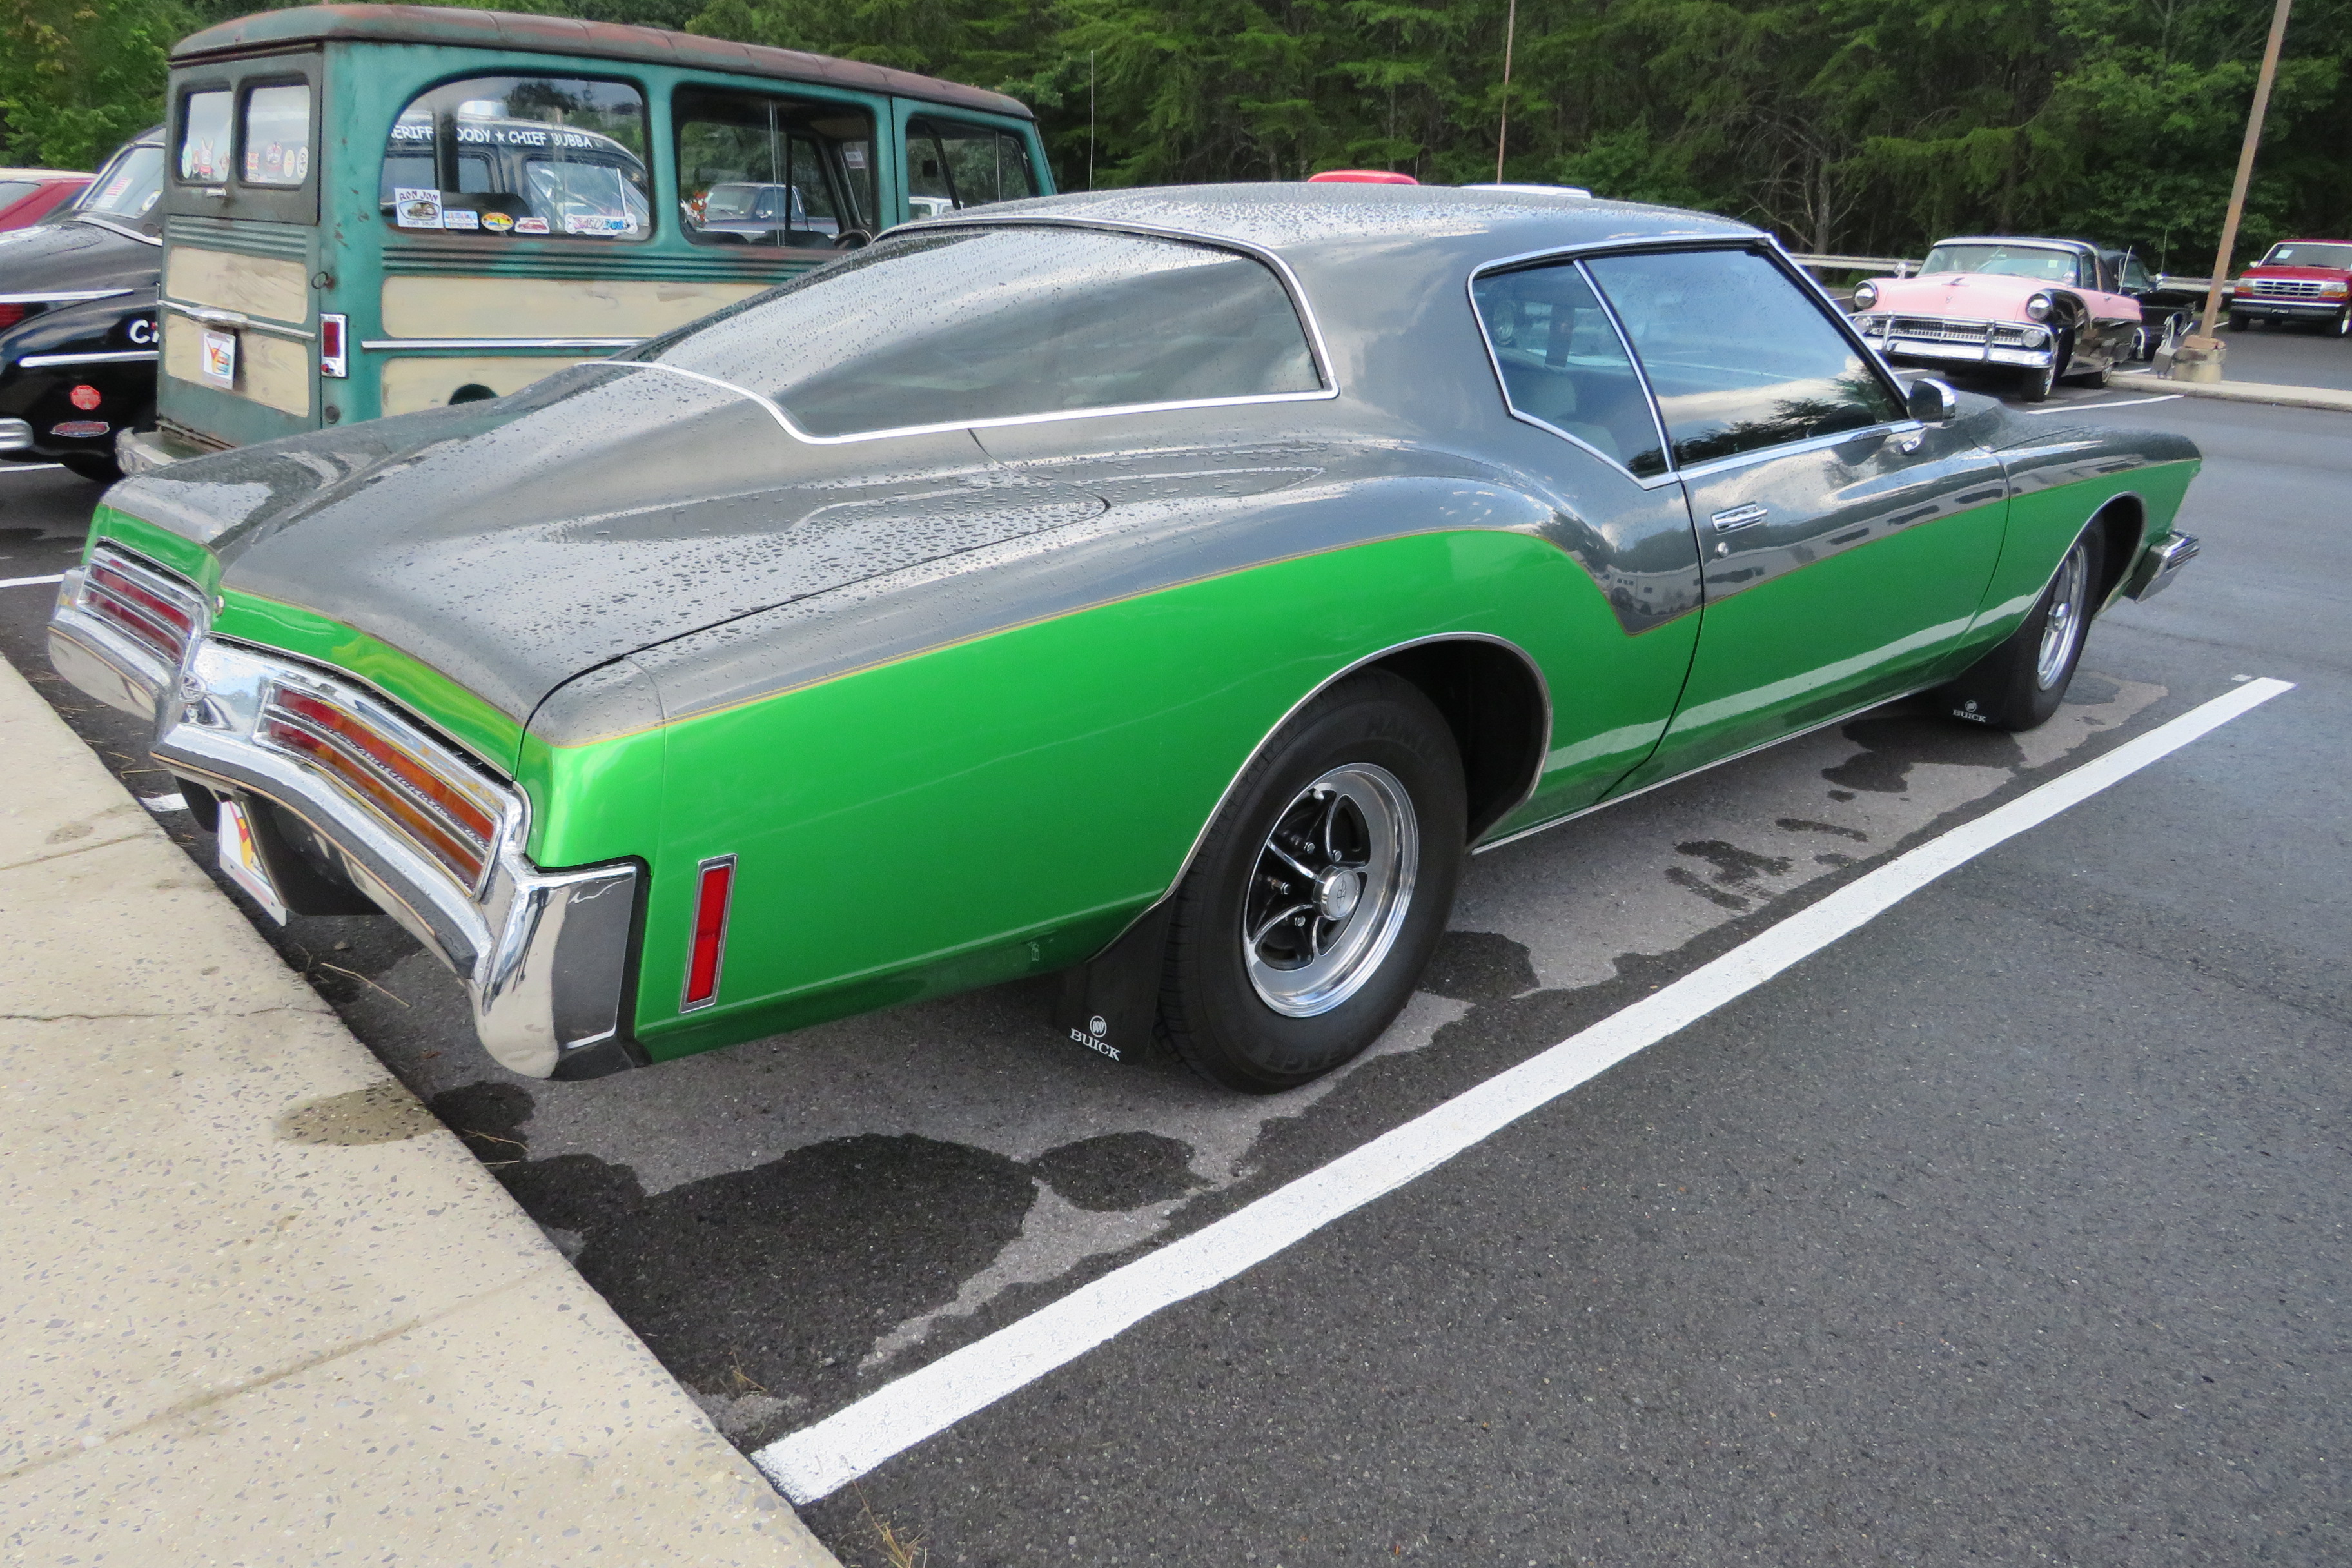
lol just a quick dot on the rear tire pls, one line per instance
(1320, 891)
(90, 466)
(2020, 684)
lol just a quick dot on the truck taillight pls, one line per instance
(10, 315)
(332, 358)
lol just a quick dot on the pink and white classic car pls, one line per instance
(2043, 309)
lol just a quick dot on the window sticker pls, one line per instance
(496, 223)
(530, 226)
(416, 207)
(460, 217)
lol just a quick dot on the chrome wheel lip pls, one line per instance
(2062, 629)
(1360, 942)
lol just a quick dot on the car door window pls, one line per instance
(759, 170)
(1740, 357)
(276, 138)
(964, 166)
(1563, 365)
(204, 137)
(521, 156)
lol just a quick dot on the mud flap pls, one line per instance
(1110, 1004)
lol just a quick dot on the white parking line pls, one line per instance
(820, 1459)
(31, 581)
(2113, 402)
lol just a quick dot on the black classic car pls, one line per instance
(78, 319)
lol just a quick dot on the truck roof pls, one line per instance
(571, 36)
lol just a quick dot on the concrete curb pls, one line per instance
(257, 1306)
(2251, 391)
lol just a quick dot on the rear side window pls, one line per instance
(127, 187)
(756, 170)
(204, 137)
(521, 156)
(951, 166)
(1007, 324)
(1563, 365)
(1740, 359)
(277, 135)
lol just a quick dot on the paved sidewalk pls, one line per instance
(2247, 391)
(257, 1306)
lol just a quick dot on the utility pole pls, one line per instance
(1090, 120)
(2221, 259)
(1503, 127)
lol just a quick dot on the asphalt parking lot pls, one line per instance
(2009, 1228)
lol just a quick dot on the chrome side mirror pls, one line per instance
(1932, 402)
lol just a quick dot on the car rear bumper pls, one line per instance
(2159, 562)
(545, 955)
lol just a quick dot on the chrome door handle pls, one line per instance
(1740, 517)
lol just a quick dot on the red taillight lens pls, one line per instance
(115, 596)
(715, 887)
(415, 797)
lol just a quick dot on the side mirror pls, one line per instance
(1931, 401)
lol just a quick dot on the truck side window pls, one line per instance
(951, 166)
(519, 156)
(757, 170)
(278, 134)
(204, 137)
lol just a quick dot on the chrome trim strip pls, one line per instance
(1543, 690)
(2158, 564)
(16, 435)
(784, 420)
(444, 344)
(1791, 448)
(65, 297)
(236, 321)
(112, 356)
(1604, 805)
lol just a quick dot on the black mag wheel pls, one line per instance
(1319, 891)
(2021, 683)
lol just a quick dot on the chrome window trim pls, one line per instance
(1714, 466)
(452, 345)
(1640, 379)
(1316, 347)
(115, 356)
(62, 297)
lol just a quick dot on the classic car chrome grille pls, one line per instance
(2288, 288)
(415, 785)
(156, 609)
(1939, 329)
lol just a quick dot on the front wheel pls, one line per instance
(2342, 326)
(2240, 323)
(2036, 386)
(1320, 891)
(2020, 684)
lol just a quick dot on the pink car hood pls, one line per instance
(1985, 297)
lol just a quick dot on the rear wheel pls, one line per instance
(2021, 683)
(1319, 892)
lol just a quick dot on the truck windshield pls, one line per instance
(2302, 253)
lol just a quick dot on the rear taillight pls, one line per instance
(10, 315)
(157, 611)
(714, 888)
(332, 356)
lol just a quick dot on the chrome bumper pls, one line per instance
(2158, 564)
(15, 436)
(142, 451)
(1936, 351)
(545, 955)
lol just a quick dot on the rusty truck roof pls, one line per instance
(571, 36)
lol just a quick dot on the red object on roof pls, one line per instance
(1360, 177)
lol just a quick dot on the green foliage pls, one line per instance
(1861, 126)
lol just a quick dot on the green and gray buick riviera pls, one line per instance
(1170, 587)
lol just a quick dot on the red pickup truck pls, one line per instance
(2300, 281)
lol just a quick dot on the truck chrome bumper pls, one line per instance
(2158, 564)
(545, 955)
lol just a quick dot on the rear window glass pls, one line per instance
(521, 156)
(127, 187)
(277, 135)
(951, 166)
(204, 137)
(757, 170)
(959, 329)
